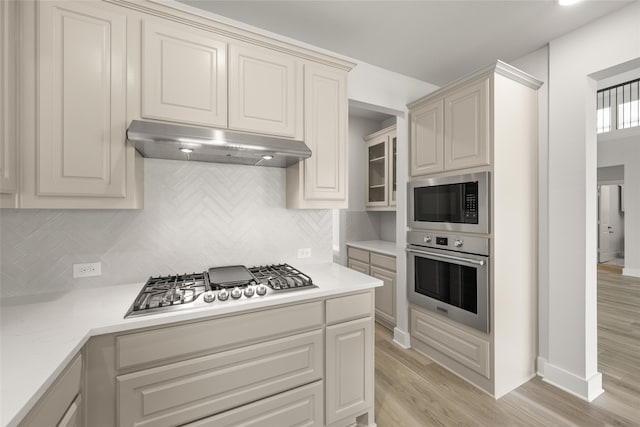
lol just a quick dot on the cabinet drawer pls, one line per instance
(360, 266)
(348, 308)
(358, 254)
(454, 342)
(215, 335)
(299, 407)
(52, 407)
(185, 391)
(383, 261)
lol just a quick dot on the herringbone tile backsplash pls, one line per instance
(196, 215)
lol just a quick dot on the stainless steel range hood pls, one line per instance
(178, 142)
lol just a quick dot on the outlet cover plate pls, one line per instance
(304, 253)
(87, 270)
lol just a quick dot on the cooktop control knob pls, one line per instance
(458, 243)
(249, 291)
(261, 289)
(209, 296)
(236, 293)
(427, 239)
(223, 295)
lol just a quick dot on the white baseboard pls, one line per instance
(401, 338)
(540, 364)
(584, 388)
(634, 272)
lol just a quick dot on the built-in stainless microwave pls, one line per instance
(454, 203)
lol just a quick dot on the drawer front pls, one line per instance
(356, 265)
(350, 307)
(301, 407)
(215, 335)
(358, 254)
(185, 391)
(52, 407)
(465, 348)
(383, 261)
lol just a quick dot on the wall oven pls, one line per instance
(449, 274)
(454, 203)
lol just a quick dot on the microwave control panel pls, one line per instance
(471, 207)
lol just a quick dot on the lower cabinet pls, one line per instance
(305, 364)
(381, 267)
(298, 407)
(349, 363)
(61, 404)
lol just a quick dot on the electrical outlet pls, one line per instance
(304, 253)
(87, 270)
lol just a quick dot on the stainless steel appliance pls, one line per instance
(179, 142)
(221, 285)
(449, 274)
(454, 203)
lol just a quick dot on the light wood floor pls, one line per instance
(411, 390)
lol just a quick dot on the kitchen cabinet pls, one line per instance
(270, 364)
(61, 403)
(320, 182)
(74, 111)
(383, 267)
(8, 102)
(450, 131)
(184, 74)
(381, 169)
(490, 125)
(265, 91)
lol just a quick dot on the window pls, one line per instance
(618, 106)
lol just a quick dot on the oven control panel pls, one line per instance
(451, 242)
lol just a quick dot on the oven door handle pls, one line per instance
(448, 257)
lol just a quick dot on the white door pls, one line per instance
(605, 230)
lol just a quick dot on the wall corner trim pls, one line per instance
(633, 272)
(584, 388)
(401, 338)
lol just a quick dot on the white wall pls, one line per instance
(625, 150)
(574, 60)
(392, 92)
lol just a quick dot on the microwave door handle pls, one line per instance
(448, 257)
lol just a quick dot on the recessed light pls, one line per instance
(567, 2)
(186, 150)
(267, 157)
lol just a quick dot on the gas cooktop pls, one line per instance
(218, 285)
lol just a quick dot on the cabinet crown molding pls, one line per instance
(499, 67)
(203, 20)
(380, 133)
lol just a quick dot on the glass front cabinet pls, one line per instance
(381, 169)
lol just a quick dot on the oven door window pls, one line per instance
(450, 283)
(444, 203)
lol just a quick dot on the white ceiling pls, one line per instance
(434, 41)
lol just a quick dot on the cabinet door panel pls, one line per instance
(265, 91)
(82, 76)
(378, 172)
(325, 173)
(385, 296)
(427, 139)
(8, 60)
(185, 391)
(466, 127)
(301, 407)
(349, 373)
(72, 418)
(184, 75)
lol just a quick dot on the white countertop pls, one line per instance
(38, 339)
(379, 246)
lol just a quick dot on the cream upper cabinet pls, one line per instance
(320, 182)
(451, 131)
(8, 143)
(427, 138)
(74, 152)
(184, 74)
(265, 91)
(381, 169)
(466, 127)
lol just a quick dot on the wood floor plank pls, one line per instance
(413, 391)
